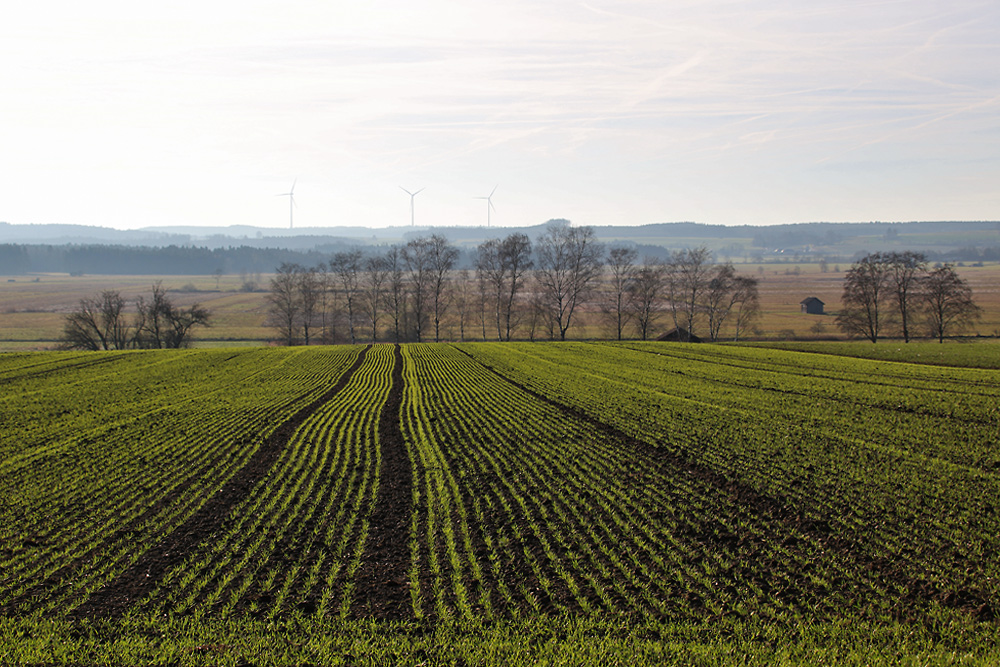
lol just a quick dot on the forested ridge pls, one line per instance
(53, 249)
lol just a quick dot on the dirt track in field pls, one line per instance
(381, 581)
(142, 576)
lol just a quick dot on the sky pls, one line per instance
(126, 114)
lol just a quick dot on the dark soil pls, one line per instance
(142, 576)
(381, 587)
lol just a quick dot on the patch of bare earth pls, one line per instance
(381, 589)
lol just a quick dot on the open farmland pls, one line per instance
(485, 503)
(33, 308)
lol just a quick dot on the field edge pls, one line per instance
(946, 638)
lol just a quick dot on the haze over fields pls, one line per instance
(605, 113)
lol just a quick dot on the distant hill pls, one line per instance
(64, 234)
(165, 250)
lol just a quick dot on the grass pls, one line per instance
(949, 640)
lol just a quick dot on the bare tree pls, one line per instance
(569, 263)
(617, 307)
(647, 294)
(98, 324)
(442, 258)
(720, 297)
(947, 301)
(688, 276)
(865, 290)
(118, 332)
(283, 303)
(152, 313)
(515, 254)
(375, 278)
(464, 300)
(904, 272)
(482, 296)
(395, 293)
(327, 304)
(418, 258)
(504, 265)
(311, 293)
(154, 328)
(538, 315)
(746, 301)
(161, 324)
(493, 271)
(182, 321)
(101, 324)
(346, 267)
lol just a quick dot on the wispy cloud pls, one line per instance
(466, 93)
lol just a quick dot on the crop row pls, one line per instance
(927, 523)
(100, 463)
(295, 542)
(931, 412)
(523, 507)
(982, 354)
(631, 480)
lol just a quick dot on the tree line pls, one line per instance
(516, 288)
(144, 260)
(108, 323)
(897, 293)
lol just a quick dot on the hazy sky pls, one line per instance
(128, 114)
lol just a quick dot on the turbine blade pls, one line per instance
(494, 189)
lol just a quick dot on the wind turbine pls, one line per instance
(291, 202)
(412, 195)
(489, 204)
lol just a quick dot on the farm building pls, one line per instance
(679, 334)
(812, 306)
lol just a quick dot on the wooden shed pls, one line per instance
(812, 306)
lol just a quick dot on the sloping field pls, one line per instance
(888, 471)
(486, 503)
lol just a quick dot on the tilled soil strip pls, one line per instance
(974, 602)
(142, 576)
(381, 580)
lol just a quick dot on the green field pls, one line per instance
(483, 503)
(969, 354)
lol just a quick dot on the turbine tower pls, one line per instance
(291, 202)
(489, 204)
(412, 195)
